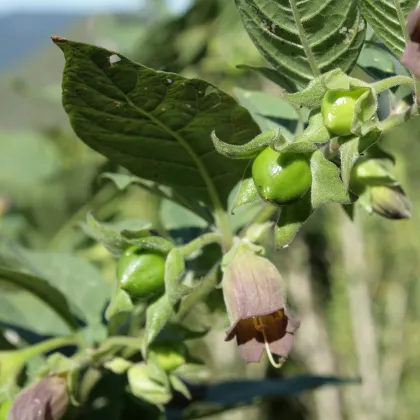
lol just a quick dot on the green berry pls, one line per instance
(141, 273)
(338, 110)
(281, 178)
(168, 356)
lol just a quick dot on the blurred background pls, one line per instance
(353, 285)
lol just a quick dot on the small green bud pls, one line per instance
(390, 202)
(45, 399)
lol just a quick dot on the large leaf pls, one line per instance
(303, 39)
(388, 18)
(67, 281)
(155, 124)
(14, 304)
(223, 396)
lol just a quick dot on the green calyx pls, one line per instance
(141, 273)
(281, 178)
(338, 108)
(370, 172)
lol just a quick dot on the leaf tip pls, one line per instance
(57, 39)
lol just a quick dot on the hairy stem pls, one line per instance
(200, 242)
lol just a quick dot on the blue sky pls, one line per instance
(9, 6)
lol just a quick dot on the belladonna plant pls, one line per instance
(254, 298)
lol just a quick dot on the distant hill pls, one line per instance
(31, 66)
(22, 33)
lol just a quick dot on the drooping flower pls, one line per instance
(46, 399)
(254, 298)
(411, 55)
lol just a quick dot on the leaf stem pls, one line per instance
(208, 283)
(200, 242)
(392, 82)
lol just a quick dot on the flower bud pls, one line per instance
(254, 298)
(390, 202)
(47, 399)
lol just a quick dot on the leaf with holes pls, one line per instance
(388, 19)
(155, 124)
(303, 39)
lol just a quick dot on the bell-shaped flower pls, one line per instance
(46, 399)
(411, 55)
(254, 298)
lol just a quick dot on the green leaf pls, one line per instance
(327, 187)
(246, 194)
(292, 218)
(249, 150)
(314, 136)
(270, 112)
(174, 269)
(273, 75)
(223, 396)
(299, 41)
(145, 385)
(118, 365)
(247, 390)
(79, 281)
(42, 289)
(351, 149)
(158, 314)
(388, 19)
(155, 124)
(121, 302)
(349, 153)
(121, 181)
(180, 386)
(112, 239)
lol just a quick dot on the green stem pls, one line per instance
(117, 341)
(199, 293)
(396, 120)
(48, 345)
(304, 40)
(200, 242)
(390, 82)
(264, 214)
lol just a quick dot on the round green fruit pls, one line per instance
(141, 273)
(338, 110)
(169, 356)
(281, 178)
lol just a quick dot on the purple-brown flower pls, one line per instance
(411, 55)
(46, 399)
(255, 305)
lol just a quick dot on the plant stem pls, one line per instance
(207, 285)
(390, 82)
(198, 243)
(48, 345)
(304, 40)
(264, 214)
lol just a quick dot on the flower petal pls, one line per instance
(252, 286)
(250, 341)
